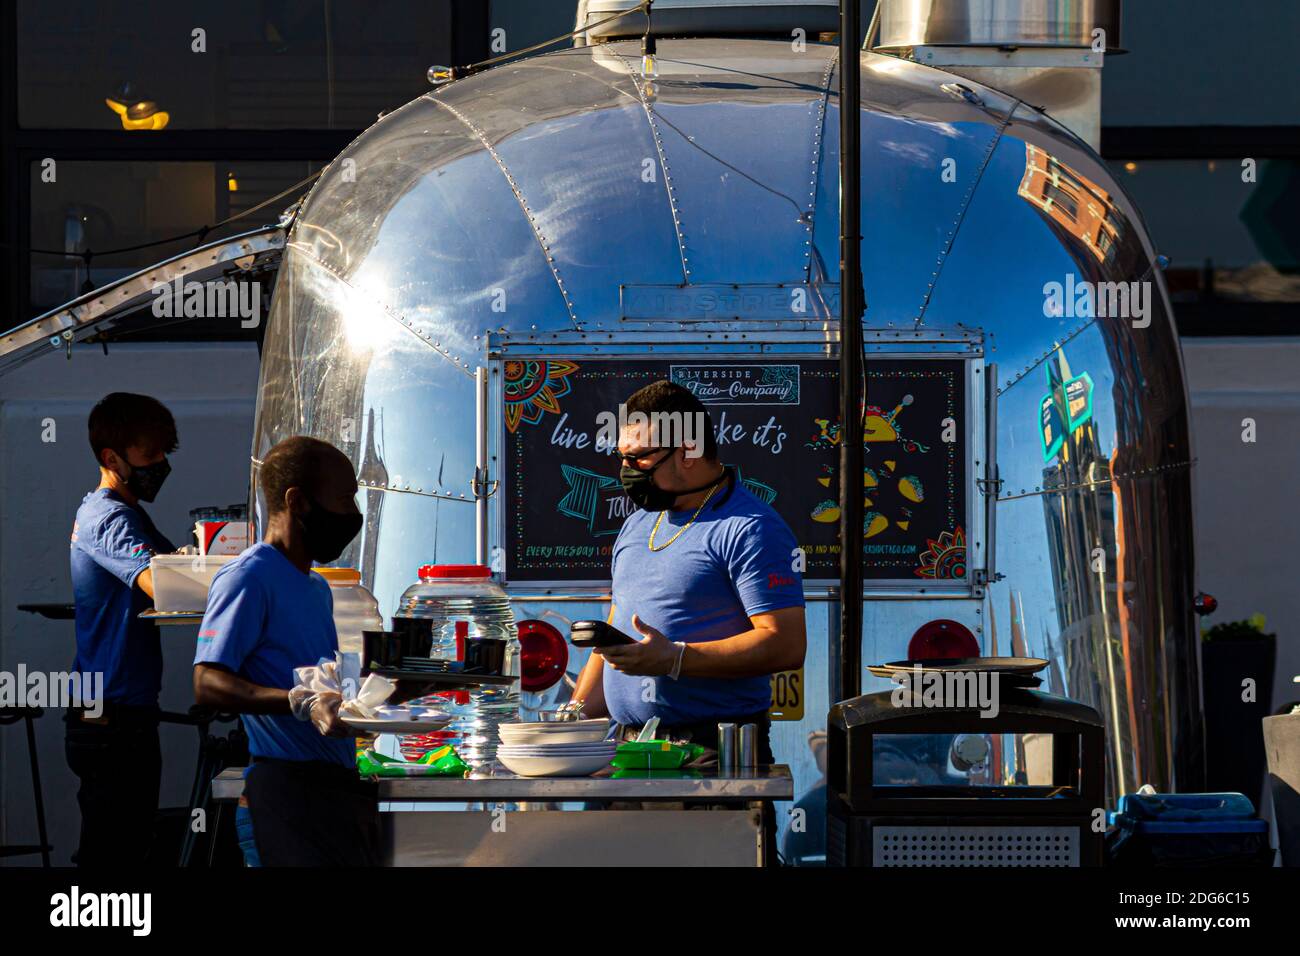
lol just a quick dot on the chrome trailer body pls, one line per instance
(521, 204)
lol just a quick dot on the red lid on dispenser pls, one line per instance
(455, 571)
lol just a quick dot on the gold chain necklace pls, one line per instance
(651, 542)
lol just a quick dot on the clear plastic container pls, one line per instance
(355, 608)
(181, 581)
(461, 603)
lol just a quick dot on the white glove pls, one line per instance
(317, 696)
(310, 683)
(301, 699)
(325, 715)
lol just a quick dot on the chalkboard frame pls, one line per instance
(700, 346)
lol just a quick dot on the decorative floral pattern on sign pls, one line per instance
(945, 558)
(534, 387)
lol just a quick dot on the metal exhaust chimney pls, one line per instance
(1047, 53)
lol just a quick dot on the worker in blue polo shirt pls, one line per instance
(112, 746)
(705, 577)
(268, 614)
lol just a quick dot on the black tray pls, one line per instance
(54, 612)
(1016, 670)
(441, 680)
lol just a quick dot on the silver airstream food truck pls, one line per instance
(487, 268)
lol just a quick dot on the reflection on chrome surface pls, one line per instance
(525, 198)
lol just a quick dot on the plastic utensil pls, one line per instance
(648, 731)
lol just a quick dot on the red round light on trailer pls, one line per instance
(543, 655)
(942, 639)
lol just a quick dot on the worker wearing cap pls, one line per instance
(267, 615)
(112, 744)
(704, 577)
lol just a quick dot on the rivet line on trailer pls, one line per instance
(542, 241)
(673, 208)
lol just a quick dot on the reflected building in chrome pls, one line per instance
(1071, 200)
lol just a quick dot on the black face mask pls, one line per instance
(640, 487)
(328, 532)
(145, 481)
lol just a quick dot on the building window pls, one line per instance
(1065, 201)
(234, 64)
(91, 210)
(1230, 229)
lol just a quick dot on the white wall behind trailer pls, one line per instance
(210, 389)
(1247, 503)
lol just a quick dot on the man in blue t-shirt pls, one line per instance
(112, 745)
(703, 575)
(268, 614)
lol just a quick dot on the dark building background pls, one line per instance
(285, 84)
(280, 88)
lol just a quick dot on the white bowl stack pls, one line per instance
(574, 748)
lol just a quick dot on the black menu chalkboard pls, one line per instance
(777, 423)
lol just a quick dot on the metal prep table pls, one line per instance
(507, 820)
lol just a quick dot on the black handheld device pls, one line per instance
(597, 634)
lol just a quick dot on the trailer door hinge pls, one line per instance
(480, 486)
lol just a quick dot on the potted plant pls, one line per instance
(1237, 663)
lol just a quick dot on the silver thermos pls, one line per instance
(727, 751)
(748, 756)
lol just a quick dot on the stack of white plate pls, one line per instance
(572, 748)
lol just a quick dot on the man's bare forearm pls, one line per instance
(752, 654)
(777, 644)
(219, 688)
(590, 688)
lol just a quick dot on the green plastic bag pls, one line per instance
(441, 762)
(654, 755)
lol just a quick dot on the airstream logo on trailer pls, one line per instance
(1083, 299)
(209, 300)
(734, 302)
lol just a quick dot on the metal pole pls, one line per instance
(847, 682)
(480, 466)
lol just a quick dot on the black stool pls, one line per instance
(11, 715)
(216, 752)
(60, 611)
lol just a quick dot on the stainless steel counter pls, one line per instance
(726, 827)
(769, 783)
